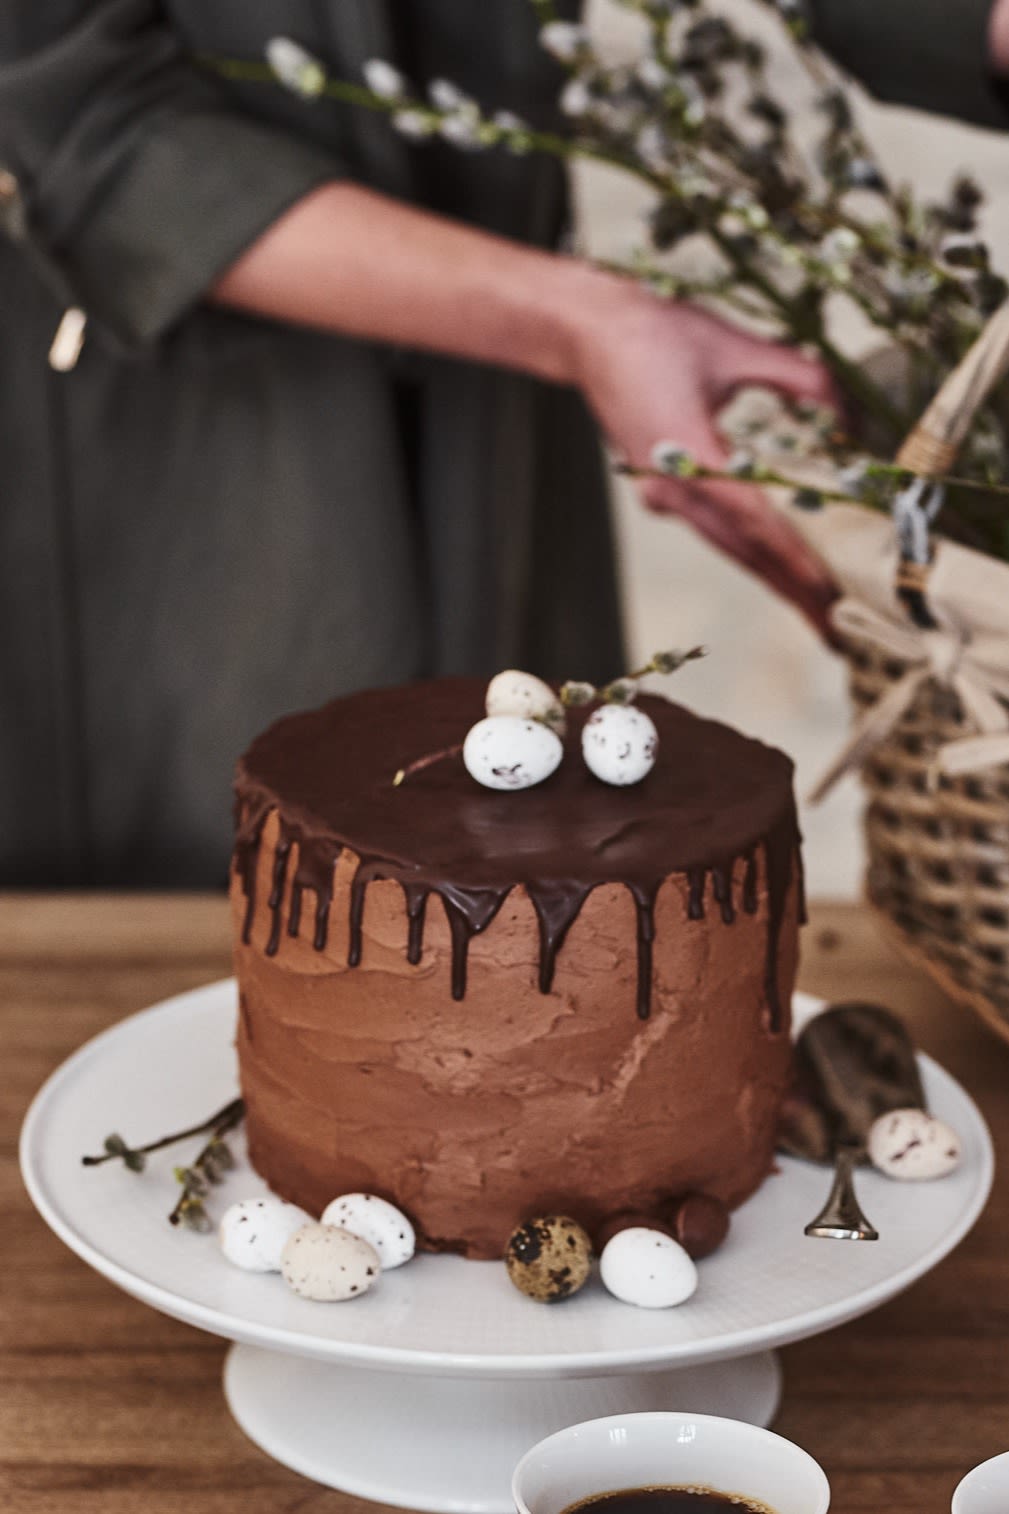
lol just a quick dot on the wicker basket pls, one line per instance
(938, 855)
(938, 847)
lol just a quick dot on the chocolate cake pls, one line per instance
(484, 1005)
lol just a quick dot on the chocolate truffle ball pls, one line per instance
(549, 1258)
(699, 1222)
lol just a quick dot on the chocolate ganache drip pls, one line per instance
(714, 800)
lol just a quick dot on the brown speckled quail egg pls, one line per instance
(647, 1268)
(376, 1221)
(913, 1146)
(549, 1258)
(325, 1263)
(619, 744)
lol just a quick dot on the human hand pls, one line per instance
(655, 372)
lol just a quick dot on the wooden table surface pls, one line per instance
(108, 1406)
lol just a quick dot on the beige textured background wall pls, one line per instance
(767, 673)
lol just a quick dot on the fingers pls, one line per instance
(770, 365)
(750, 528)
(743, 524)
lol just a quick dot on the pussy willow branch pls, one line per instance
(817, 218)
(205, 1170)
(825, 79)
(831, 217)
(772, 478)
(231, 1113)
(250, 71)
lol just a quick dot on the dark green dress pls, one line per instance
(212, 520)
(930, 54)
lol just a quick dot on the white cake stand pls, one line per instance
(425, 1392)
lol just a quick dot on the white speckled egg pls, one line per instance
(254, 1232)
(376, 1221)
(647, 1268)
(619, 743)
(912, 1145)
(325, 1263)
(510, 752)
(515, 693)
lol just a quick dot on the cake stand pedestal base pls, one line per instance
(449, 1444)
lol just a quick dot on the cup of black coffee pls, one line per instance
(668, 1463)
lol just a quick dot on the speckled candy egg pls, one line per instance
(509, 752)
(914, 1146)
(254, 1232)
(325, 1263)
(647, 1268)
(549, 1258)
(515, 693)
(619, 743)
(376, 1221)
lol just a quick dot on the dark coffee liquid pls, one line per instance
(666, 1501)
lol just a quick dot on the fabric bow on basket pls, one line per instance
(949, 656)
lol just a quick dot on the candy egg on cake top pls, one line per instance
(511, 752)
(619, 744)
(516, 693)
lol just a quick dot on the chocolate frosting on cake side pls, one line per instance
(708, 839)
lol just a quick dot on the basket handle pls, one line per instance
(934, 445)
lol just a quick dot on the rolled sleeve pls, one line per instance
(139, 180)
(929, 54)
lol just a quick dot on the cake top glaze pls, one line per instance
(712, 794)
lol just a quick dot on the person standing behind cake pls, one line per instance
(213, 519)
(268, 478)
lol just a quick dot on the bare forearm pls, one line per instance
(998, 36)
(348, 260)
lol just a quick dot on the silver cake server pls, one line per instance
(854, 1062)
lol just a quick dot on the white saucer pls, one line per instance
(443, 1317)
